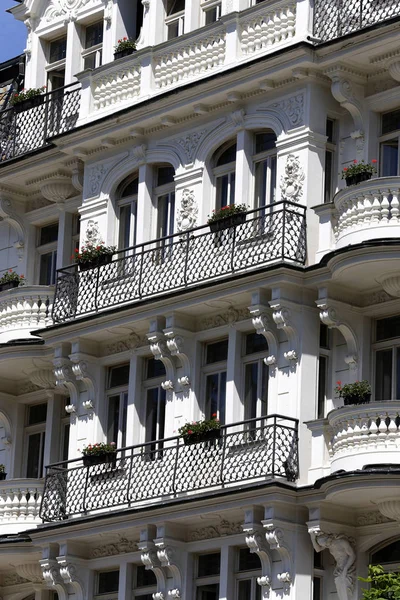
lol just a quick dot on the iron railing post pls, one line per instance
(283, 229)
(141, 272)
(186, 259)
(175, 466)
(274, 447)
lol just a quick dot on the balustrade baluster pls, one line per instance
(14, 507)
(392, 430)
(394, 205)
(3, 498)
(385, 207)
(373, 431)
(23, 504)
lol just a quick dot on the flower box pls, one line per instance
(29, 103)
(99, 261)
(122, 53)
(3, 476)
(358, 178)
(8, 285)
(357, 400)
(90, 460)
(206, 436)
(226, 222)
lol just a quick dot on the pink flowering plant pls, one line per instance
(354, 393)
(196, 429)
(91, 252)
(27, 94)
(226, 211)
(125, 44)
(98, 449)
(359, 167)
(11, 275)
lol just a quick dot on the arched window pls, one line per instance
(264, 161)
(386, 555)
(127, 193)
(224, 175)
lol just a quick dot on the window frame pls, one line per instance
(139, 592)
(251, 574)
(207, 579)
(387, 137)
(259, 359)
(208, 6)
(123, 392)
(331, 149)
(47, 249)
(109, 595)
(58, 65)
(96, 49)
(149, 383)
(326, 353)
(30, 430)
(269, 157)
(215, 368)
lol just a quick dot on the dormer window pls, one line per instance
(93, 44)
(175, 18)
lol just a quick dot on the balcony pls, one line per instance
(20, 501)
(24, 309)
(256, 450)
(235, 38)
(367, 211)
(335, 18)
(270, 235)
(365, 434)
(26, 130)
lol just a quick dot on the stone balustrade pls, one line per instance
(20, 501)
(235, 38)
(369, 210)
(364, 434)
(24, 309)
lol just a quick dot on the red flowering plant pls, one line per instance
(99, 448)
(92, 252)
(196, 429)
(359, 167)
(226, 211)
(354, 393)
(125, 44)
(27, 94)
(10, 276)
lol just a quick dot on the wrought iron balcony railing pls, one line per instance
(270, 234)
(335, 18)
(25, 128)
(250, 451)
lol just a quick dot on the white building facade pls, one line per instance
(232, 102)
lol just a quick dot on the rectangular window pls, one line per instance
(92, 54)
(216, 354)
(387, 359)
(255, 376)
(175, 18)
(108, 583)
(35, 435)
(207, 581)
(211, 11)
(389, 144)
(155, 404)
(329, 184)
(247, 572)
(47, 253)
(58, 50)
(318, 576)
(118, 382)
(323, 366)
(145, 583)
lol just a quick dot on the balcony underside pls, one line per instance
(252, 451)
(269, 235)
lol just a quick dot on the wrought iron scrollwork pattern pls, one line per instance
(269, 235)
(257, 449)
(334, 18)
(24, 130)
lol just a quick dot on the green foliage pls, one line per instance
(2, 468)
(27, 94)
(99, 449)
(359, 167)
(11, 275)
(353, 393)
(125, 44)
(383, 586)
(90, 252)
(226, 211)
(197, 428)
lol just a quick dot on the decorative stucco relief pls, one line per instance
(293, 108)
(130, 343)
(13, 579)
(63, 9)
(214, 531)
(190, 143)
(230, 317)
(372, 518)
(96, 176)
(188, 212)
(293, 179)
(122, 546)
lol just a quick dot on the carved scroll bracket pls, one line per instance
(51, 575)
(151, 561)
(347, 88)
(275, 537)
(80, 369)
(161, 352)
(283, 319)
(70, 574)
(264, 325)
(257, 544)
(176, 346)
(329, 316)
(170, 557)
(65, 380)
(342, 548)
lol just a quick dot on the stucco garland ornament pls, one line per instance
(293, 179)
(342, 549)
(62, 8)
(93, 233)
(187, 218)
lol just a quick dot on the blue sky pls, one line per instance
(12, 33)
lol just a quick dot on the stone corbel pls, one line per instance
(330, 318)
(160, 351)
(9, 215)
(342, 548)
(151, 561)
(263, 325)
(77, 175)
(257, 544)
(69, 574)
(65, 381)
(347, 89)
(169, 557)
(57, 187)
(51, 575)
(275, 538)
(80, 370)
(283, 320)
(175, 344)
(43, 378)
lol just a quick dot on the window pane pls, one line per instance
(154, 368)
(35, 455)
(37, 414)
(261, 183)
(322, 373)
(129, 189)
(265, 141)
(47, 273)
(58, 50)
(144, 577)
(390, 121)
(389, 158)
(94, 34)
(317, 588)
(251, 378)
(328, 176)
(248, 561)
(208, 592)
(89, 62)
(330, 130)
(216, 352)
(318, 560)
(208, 564)
(118, 376)
(272, 191)
(48, 234)
(387, 328)
(244, 589)
(151, 414)
(256, 343)
(108, 582)
(390, 553)
(124, 225)
(113, 419)
(323, 336)
(227, 156)
(383, 375)
(211, 15)
(165, 175)
(222, 398)
(222, 191)
(65, 442)
(264, 389)
(232, 179)
(174, 6)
